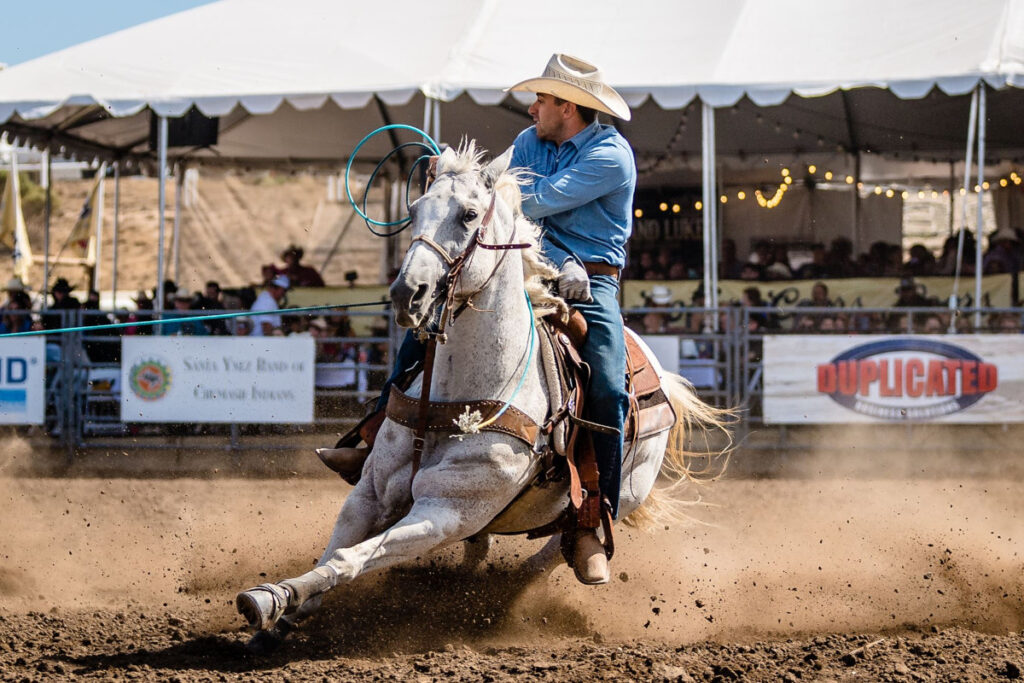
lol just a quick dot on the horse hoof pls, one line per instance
(263, 605)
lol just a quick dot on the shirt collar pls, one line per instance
(580, 140)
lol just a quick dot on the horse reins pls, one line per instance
(455, 266)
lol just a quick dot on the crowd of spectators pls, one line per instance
(769, 260)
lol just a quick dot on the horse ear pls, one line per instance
(494, 169)
(448, 157)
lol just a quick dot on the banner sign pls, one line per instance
(817, 379)
(217, 379)
(853, 292)
(22, 381)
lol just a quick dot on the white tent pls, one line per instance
(302, 82)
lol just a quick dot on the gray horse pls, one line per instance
(466, 486)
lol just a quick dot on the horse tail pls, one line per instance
(697, 453)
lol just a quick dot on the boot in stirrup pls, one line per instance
(589, 558)
(347, 457)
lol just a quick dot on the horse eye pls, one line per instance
(469, 216)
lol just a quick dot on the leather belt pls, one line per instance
(599, 268)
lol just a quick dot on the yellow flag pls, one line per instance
(82, 240)
(13, 232)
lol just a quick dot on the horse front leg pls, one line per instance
(449, 506)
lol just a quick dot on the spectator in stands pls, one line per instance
(211, 301)
(933, 324)
(760, 321)
(656, 322)
(15, 288)
(819, 296)
(267, 303)
(183, 308)
(751, 272)
(326, 351)
(170, 291)
(839, 261)
(1005, 323)
(1003, 254)
(62, 301)
(817, 267)
(920, 262)
(643, 263)
(778, 265)
(677, 271)
(298, 274)
(16, 317)
(910, 296)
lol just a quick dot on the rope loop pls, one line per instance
(428, 146)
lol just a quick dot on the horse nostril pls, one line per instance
(421, 292)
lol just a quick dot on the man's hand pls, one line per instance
(574, 283)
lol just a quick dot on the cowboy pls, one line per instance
(580, 189)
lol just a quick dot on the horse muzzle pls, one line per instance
(412, 301)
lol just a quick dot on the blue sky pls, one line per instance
(33, 29)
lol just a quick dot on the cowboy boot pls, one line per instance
(589, 559)
(347, 458)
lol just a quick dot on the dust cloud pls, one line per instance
(813, 549)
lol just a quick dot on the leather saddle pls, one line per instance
(650, 412)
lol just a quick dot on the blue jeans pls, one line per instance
(605, 352)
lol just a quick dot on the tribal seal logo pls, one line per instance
(149, 379)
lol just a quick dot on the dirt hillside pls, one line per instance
(236, 222)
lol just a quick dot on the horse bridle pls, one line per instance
(455, 266)
(457, 263)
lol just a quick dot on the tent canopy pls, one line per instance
(795, 77)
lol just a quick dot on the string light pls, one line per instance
(828, 175)
(789, 179)
(741, 195)
(935, 194)
(920, 194)
(849, 180)
(663, 206)
(985, 185)
(725, 200)
(770, 203)
(698, 205)
(878, 189)
(676, 208)
(785, 172)
(812, 168)
(888, 193)
(639, 213)
(1002, 182)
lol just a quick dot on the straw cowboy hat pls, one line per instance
(576, 81)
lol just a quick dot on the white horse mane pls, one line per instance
(537, 270)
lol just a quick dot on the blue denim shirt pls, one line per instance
(582, 194)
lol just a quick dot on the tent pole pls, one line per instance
(954, 298)
(437, 121)
(858, 238)
(707, 215)
(427, 111)
(99, 226)
(715, 217)
(117, 226)
(46, 229)
(179, 186)
(981, 195)
(161, 145)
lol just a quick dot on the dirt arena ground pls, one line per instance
(807, 577)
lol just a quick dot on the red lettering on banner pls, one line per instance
(847, 377)
(826, 379)
(968, 378)
(915, 369)
(951, 367)
(935, 386)
(988, 377)
(868, 373)
(892, 383)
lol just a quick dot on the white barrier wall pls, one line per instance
(217, 379)
(22, 380)
(875, 378)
